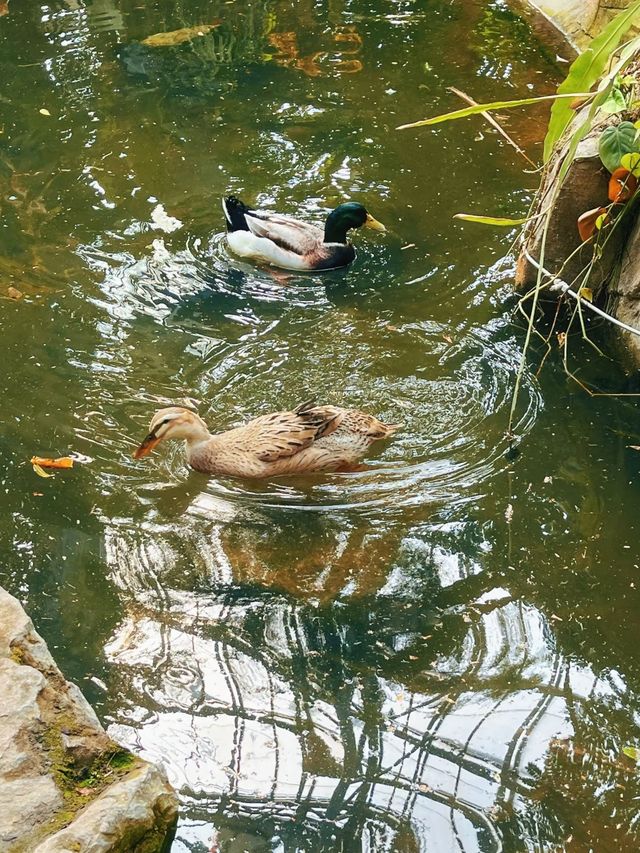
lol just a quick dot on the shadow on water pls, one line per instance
(431, 654)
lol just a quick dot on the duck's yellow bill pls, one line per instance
(146, 447)
(373, 223)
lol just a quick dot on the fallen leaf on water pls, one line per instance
(179, 36)
(448, 339)
(58, 462)
(14, 293)
(40, 471)
(632, 752)
(44, 112)
(586, 293)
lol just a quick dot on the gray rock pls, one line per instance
(581, 20)
(64, 784)
(132, 815)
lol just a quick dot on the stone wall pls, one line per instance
(581, 20)
(64, 784)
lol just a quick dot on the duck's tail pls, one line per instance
(234, 211)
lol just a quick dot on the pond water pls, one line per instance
(434, 654)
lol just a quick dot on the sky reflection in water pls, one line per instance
(376, 661)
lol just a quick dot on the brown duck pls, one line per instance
(307, 440)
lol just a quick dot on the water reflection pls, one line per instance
(267, 711)
(420, 656)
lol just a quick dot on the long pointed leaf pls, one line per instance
(499, 221)
(494, 105)
(586, 70)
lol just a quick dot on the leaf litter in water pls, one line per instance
(180, 36)
(39, 464)
(58, 462)
(40, 471)
(632, 752)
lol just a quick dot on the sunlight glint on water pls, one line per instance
(421, 656)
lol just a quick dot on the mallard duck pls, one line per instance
(293, 245)
(307, 440)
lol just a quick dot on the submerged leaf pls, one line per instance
(500, 221)
(40, 471)
(587, 70)
(58, 462)
(180, 36)
(615, 142)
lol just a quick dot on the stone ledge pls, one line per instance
(64, 784)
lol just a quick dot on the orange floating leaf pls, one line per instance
(60, 462)
(622, 185)
(587, 222)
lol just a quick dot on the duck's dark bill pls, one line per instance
(373, 223)
(146, 447)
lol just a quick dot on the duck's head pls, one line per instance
(346, 216)
(174, 422)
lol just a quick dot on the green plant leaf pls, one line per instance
(586, 70)
(499, 221)
(632, 752)
(615, 142)
(615, 103)
(485, 108)
(631, 162)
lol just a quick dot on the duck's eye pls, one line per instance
(165, 421)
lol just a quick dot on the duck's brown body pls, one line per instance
(308, 439)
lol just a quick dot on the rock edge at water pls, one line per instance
(64, 784)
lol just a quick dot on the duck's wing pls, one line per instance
(289, 234)
(284, 434)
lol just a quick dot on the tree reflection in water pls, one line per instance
(370, 720)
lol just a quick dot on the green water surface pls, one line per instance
(437, 654)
